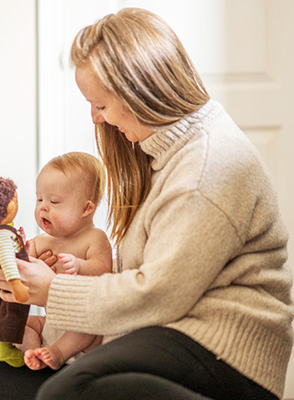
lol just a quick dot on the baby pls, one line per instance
(69, 189)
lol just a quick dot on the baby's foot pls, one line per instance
(32, 359)
(51, 356)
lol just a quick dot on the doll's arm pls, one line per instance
(7, 258)
(10, 269)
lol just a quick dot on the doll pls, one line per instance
(13, 316)
(11, 242)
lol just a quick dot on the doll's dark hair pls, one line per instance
(7, 192)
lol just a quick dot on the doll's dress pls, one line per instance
(13, 316)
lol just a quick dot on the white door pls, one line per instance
(18, 122)
(242, 49)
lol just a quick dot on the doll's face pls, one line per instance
(61, 203)
(12, 209)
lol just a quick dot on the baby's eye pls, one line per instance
(54, 202)
(39, 200)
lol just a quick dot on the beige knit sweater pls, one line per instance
(205, 254)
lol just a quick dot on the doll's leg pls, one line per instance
(70, 344)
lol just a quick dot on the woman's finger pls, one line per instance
(37, 276)
(48, 257)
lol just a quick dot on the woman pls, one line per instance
(200, 302)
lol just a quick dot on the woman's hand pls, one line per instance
(36, 275)
(49, 258)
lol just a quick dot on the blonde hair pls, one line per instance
(138, 58)
(92, 174)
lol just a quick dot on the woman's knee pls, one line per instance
(119, 386)
(59, 386)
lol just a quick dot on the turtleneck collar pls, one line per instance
(163, 144)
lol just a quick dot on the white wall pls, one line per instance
(18, 116)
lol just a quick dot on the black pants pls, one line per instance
(152, 363)
(21, 383)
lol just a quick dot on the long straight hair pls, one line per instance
(140, 60)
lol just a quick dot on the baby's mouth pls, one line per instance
(45, 222)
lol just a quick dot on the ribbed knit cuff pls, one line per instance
(68, 302)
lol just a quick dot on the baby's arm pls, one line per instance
(33, 251)
(47, 256)
(24, 239)
(98, 259)
(70, 263)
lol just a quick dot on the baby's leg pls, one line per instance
(70, 344)
(33, 333)
(32, 339)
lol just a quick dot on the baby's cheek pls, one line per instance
(65, 220)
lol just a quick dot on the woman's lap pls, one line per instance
(157, 359)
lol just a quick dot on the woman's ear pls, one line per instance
(90, 207)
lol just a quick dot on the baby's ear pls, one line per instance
(90, 207)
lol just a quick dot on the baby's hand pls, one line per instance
(24, 239)
(70, 263)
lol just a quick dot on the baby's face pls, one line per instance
(61, 202)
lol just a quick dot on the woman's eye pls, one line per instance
(100, 108)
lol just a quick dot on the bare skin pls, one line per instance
(36, 275)
(56, 355)
(44, 356)
(65, 214)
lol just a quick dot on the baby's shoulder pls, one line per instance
(97, 234)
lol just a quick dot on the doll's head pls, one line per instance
(7, 194)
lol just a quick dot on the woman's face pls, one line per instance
(105, 107)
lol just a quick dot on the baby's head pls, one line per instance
(86, 170)
(69, 189)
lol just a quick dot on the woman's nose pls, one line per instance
(97, 118)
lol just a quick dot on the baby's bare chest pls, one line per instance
(77, 247)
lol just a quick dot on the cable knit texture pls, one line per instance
(205, 254)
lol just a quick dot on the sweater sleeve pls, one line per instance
(189, 242)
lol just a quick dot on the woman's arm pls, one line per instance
(36, 275)
(185, 250)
